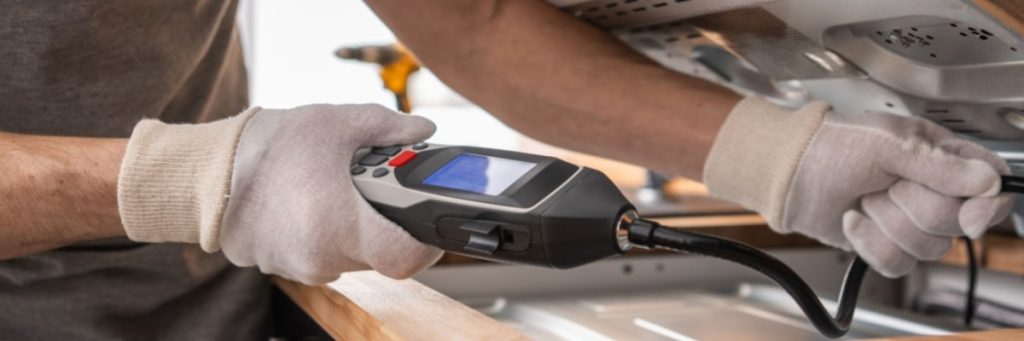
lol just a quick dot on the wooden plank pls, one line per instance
(1005, 254)
(957, 254)
(336, 314)
(695, 222)
(997, 334)
(365, 305)
(994, 252)
(750, 229)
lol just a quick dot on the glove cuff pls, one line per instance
(756, 152)
(175, 178)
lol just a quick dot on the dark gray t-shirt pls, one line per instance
(95, 68)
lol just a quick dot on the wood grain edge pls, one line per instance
(996, 334)
(336, 314)
(366, 305)
(994, 252)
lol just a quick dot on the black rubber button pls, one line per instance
(389, 151)
(373, 159)
(420, 146)
(358, 170)
(379, 172)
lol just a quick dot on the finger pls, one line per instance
(980, 213)
(392, 251)
(919, 127)
(310, 278)
(973, 150)
(930, 211)
(403, 129)
(381, 126)
(874, 247)
(940, 170)
(899, 229)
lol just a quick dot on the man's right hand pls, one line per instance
(292, 209)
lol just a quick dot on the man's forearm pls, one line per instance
(562, 81)
(57, 191)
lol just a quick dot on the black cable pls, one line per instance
(972, 282)
(651, 234)
(1012, 184)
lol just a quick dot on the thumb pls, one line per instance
(384, 127)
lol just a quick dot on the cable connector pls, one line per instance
(641, 231)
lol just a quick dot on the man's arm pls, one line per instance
(57, 191)
(562, 81)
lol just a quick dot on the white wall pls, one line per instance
(291, 62)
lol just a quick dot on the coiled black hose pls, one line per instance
(651, 234)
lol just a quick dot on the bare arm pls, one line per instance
(57, 191)
(562, 81)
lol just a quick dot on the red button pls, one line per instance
(402, 158)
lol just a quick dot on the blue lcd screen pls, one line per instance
(479, 173)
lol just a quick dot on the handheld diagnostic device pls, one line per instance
(497, 205)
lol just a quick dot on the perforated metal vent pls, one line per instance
(954, 43)
(955, 121)
(617, 14)
(604, 10)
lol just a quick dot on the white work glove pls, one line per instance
(283, 200)
(894, 189)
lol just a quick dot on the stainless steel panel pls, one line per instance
(670, 298)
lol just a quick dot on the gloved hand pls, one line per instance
(271, 188)
(894, 189)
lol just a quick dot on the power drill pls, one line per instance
(397, 64)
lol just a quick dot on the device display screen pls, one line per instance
(479, 173)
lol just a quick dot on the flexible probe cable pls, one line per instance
(650, 234)
(972, 282)
(1012, 184)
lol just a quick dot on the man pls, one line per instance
(271, 189)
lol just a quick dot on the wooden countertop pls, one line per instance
(997, 334)
(366, 305)
(1000, 253)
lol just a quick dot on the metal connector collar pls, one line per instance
(622, 229)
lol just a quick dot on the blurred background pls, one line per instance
(291, 59)
(290, 52)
